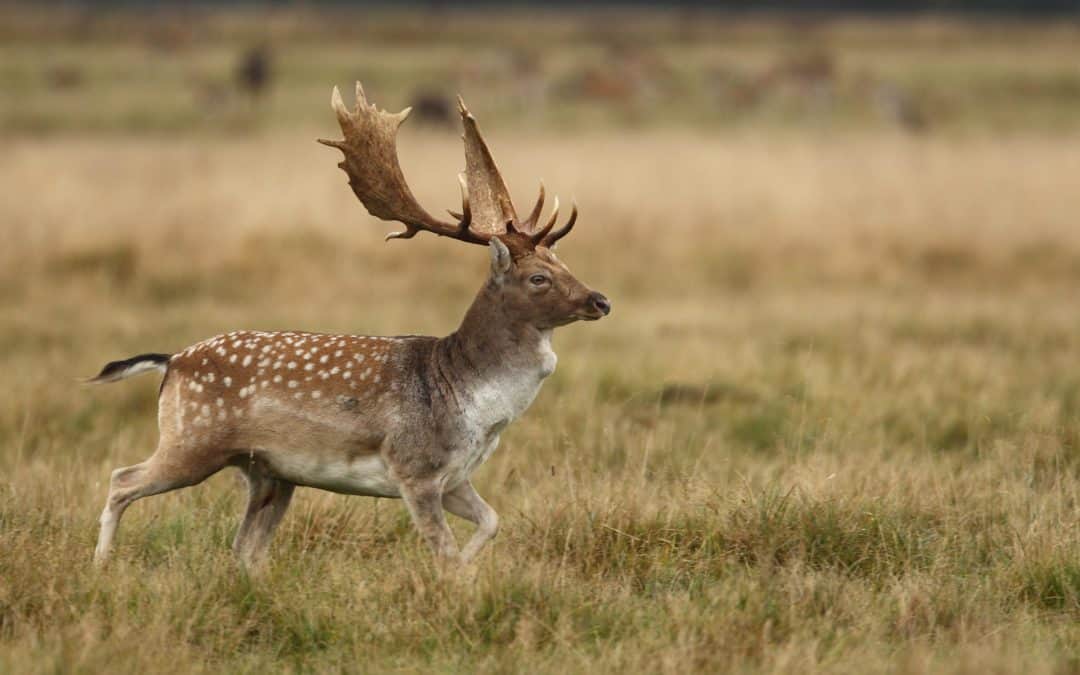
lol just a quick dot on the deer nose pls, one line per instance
(599, 302)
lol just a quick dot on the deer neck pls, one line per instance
(494, 363)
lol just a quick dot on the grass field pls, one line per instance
(833, 423)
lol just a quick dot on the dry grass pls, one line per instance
(831, 425)
(832, 422)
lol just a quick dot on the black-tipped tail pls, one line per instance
(118, 370)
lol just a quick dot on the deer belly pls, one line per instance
(363, 475)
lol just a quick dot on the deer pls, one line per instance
(409, 417)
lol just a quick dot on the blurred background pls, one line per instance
(842, 244)
(836, 139)
(185, 67)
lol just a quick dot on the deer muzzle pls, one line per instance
(598, 305)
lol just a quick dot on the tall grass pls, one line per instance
(831, 425)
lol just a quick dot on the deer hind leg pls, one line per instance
(268, 499)
(425, 506)
(123, 489)
(154, 476)
(464, 502)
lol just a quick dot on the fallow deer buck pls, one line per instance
(409, 417)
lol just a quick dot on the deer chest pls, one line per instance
(502, 398)
(492, 405)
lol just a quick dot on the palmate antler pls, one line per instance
(375, 176)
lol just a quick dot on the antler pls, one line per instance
(488, 196)
(375, 176)
(544, 236)
(549, 238)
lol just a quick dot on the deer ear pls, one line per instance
(500, 258)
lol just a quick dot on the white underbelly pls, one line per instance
(366, 475)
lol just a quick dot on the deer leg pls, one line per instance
(268, 499)
(122, 491)
(425, 506)
(152, 477)
(464, 502)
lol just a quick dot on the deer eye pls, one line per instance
(538, 280)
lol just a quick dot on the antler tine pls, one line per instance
(539, 235)
(339, 105)
(465, 219)
(408, 233)
(375, 176)
(531, 221)
(558, 234)
(466, 210)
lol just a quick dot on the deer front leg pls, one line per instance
(424, 502)
(268, 498)
(464, 502)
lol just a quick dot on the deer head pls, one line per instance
(527, 280)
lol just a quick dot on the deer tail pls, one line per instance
(119, 370)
